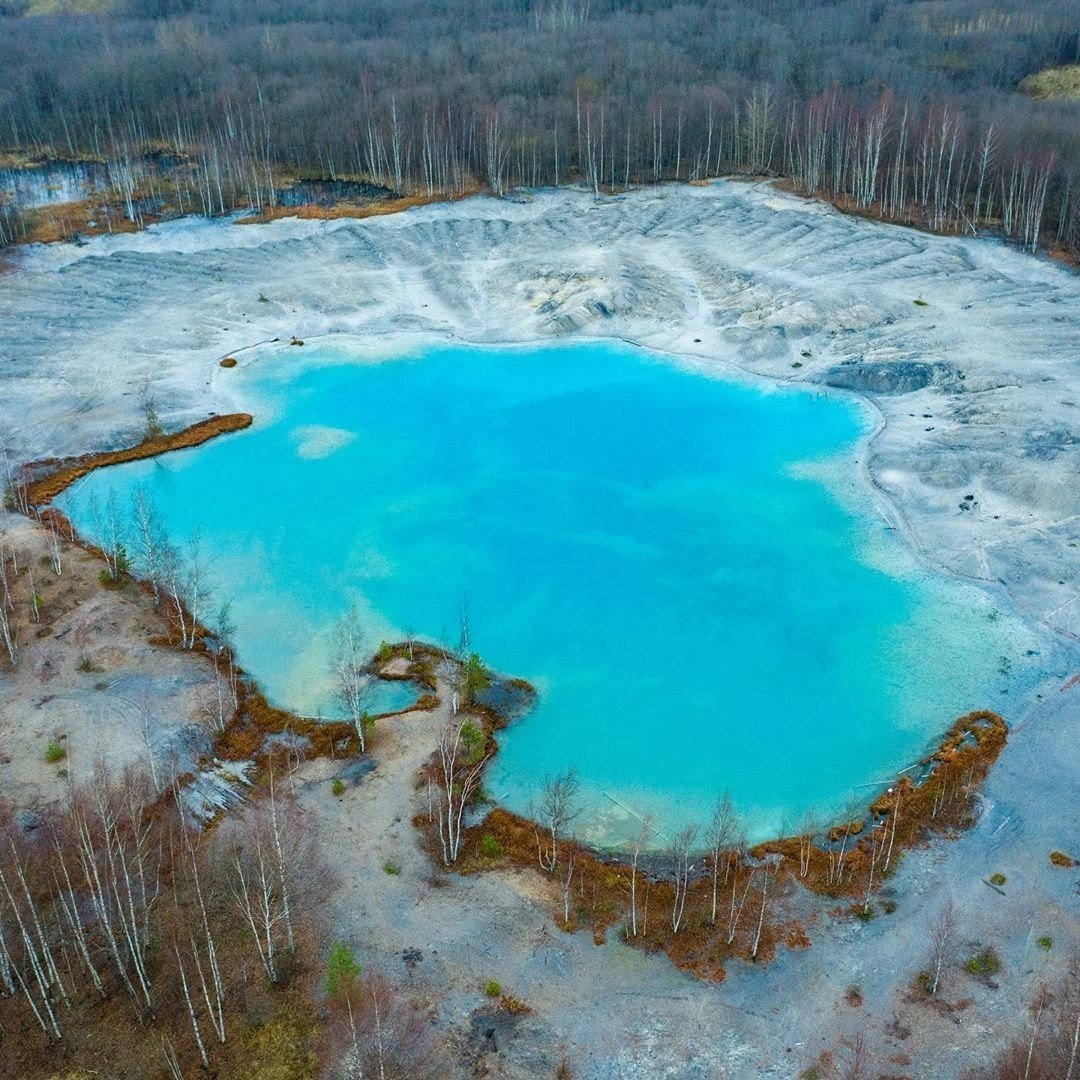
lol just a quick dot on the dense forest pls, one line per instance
(906, 110)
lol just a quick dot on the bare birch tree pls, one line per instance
(557, 808)
(639, 844)
(459, 763)
(679, 855)
(256, 888)
(942, 940)
(351, 670)
(567, 879)
(721, 835)
(35, 970)
(767, 861)
(108, 527)
(806, 842)
(9, 630)
(148, 541)
(735, 913)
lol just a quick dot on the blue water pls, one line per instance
(687, 568)
(390, 696)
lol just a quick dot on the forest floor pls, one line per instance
(968, 351)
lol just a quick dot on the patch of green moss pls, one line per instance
(984, 963)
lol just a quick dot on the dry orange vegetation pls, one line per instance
(66, 221)
(58, 475)
(758, 893)
(600, 900)
(353, 210)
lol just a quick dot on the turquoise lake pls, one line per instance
(688, 568)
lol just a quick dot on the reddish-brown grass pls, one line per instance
(58, 475)
(353, 210)
(601, 886)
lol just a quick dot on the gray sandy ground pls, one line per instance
(88, 679)
(978, 386)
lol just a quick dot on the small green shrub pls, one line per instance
(474, 677)
(920, 302)
(342, 970)
(984, 963)
(490, 848)
(493, 989)
(997, 879)
(1046, 943)
(153, 429)
(472, 742)
(338, 787)
(88, 665)
(55, 751)
(865, 914)
(391, 867)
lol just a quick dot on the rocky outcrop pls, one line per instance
(901, 377)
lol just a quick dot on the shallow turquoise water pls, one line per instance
(685, 567)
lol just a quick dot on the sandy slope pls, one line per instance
(979, 386)
(88, 678)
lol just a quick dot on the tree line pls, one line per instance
(908, 111)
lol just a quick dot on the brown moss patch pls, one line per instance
(353, 210)
(68, 221)
(1059, 858)
(513, 1005)
(58, 475)
(228, 362)
(853, 859)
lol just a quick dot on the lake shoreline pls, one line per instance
(283, 358)
(989, 437)
(51, 478)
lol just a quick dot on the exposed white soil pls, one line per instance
(729, 274)
(979, 389)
